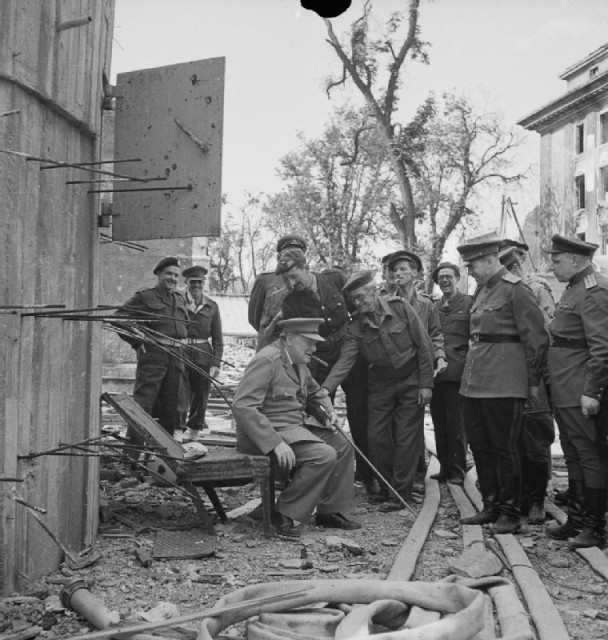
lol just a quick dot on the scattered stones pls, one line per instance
(561, 562)
(329, 568)
(443, 533)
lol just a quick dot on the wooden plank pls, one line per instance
(545, 615)
(510, 612)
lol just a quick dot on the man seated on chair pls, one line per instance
(281, 411)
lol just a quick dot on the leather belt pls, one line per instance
(172, 341)
(568, 343)
(487, 337)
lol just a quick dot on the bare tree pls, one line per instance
(361, 65)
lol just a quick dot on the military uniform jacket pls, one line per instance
(270, 402)
(581, 316)
(504, 308)
(543, 295)
(171, 305)
(454, 316)
(264, 285)
(392, 336)
(326, 302)
(206, 324)
(425, 308)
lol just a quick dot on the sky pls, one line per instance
(277, 58)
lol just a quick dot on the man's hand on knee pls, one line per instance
(286, 458)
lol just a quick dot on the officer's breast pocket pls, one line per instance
(488, 317)
(281, 391)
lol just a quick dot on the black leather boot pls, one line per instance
(593, 533)
(574, 524)
(488, 487)
(487, 515)
(538, 477)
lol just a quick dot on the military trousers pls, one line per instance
(448, 424)
(322, 477)
(584, 441)
(198, 385)
(395, 431)
(494, 431)
(158, 379)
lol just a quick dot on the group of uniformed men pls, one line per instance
(495, 368)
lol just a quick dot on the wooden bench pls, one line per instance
(221, 467)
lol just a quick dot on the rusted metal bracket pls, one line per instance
(203, 146)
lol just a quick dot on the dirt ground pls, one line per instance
(127, 580)
(136, 511)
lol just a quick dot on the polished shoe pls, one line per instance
(506, 524)
(481, 517)
(587, 537)
(284, 526)
(335, 521)
(379, 498)
(563, 531)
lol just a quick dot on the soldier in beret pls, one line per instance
(454, 309)
(159, 375)
(538, 431)
(503, 368)
(388, 334)
(205, 347)
(578, 375)
(271, 408)
(267, 283)
(406, 268)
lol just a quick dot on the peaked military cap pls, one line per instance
(445, 265)
(521, 246)
(561, 244)
(307, 327)
(166, 262)
(358, 280)
(402, 254)
(474, 250)
(289, 259)
(291, 240)
(195, 272)
(509, 256)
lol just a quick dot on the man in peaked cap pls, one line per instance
(159, 376)
(538, 431)
(578, 375)
(205, 347)
(270, 408)
(387, 287)
(388, 334)
(453, 309)
(268, 282)
(503, 368)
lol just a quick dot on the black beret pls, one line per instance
(358, 280)
(402, 254)
(445, 265)
(292, 240)
(475, 250)
(522, 246)
(307, 327)
(166, 262)
(289, 259)
(195, 272)
(561, 244)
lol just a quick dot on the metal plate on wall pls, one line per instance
(172, 119)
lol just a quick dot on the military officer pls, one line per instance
(454, 309)
(270, 408)
(388, 334)
(406, 268)
(159, 375)
(261, 308)
(538, 430)
(502, 369)
(387, 287)
(205, 347)
(578, 375)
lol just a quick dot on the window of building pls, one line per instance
(604, 127)
(579, 183)
(603, 185)
(604, 238)
(593, 71)
(580, 138)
